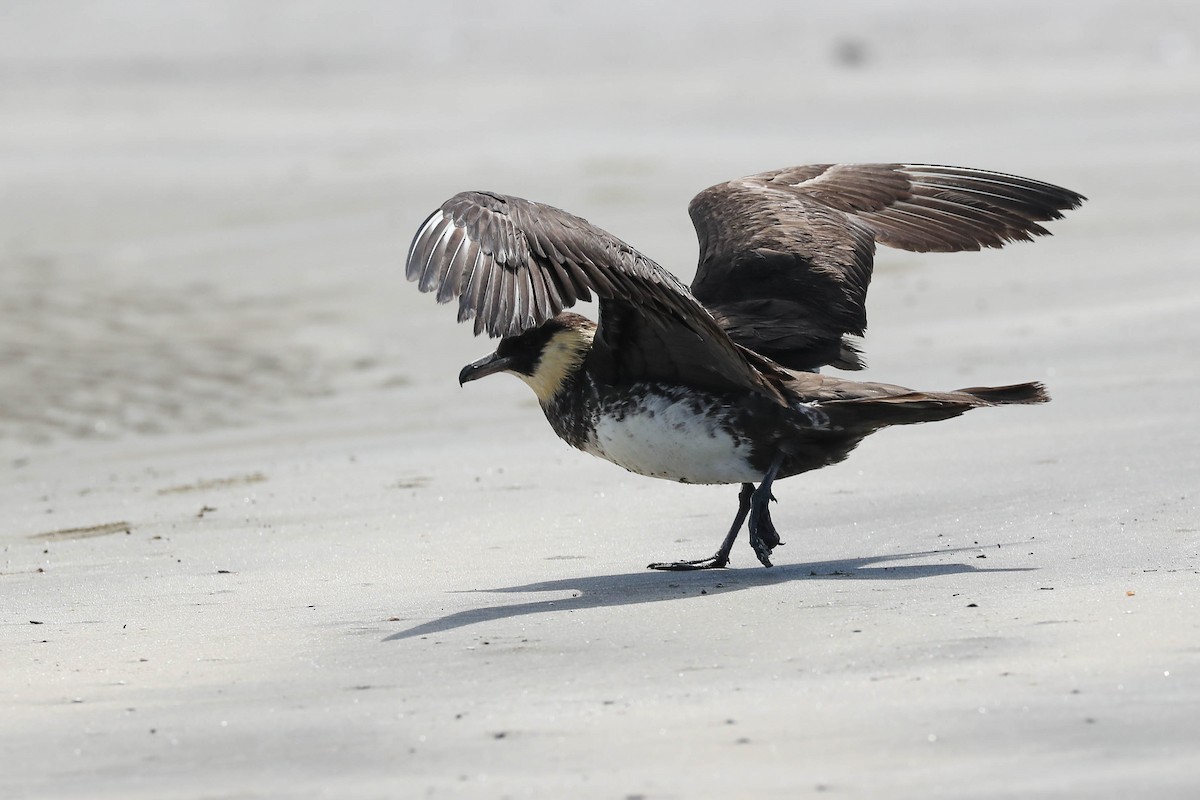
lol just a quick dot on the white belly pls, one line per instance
(671, 439)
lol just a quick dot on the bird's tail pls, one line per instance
(910, 407)
(1016, 394)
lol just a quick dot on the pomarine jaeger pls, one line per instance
(719, 383)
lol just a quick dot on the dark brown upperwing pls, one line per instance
(786, 256)
(632, 345)
(514, 264)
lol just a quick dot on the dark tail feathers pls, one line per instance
(1017, 394)
(907, 408)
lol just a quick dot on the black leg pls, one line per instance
(763, 536)
(721, 557)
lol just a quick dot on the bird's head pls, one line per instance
(544, 357)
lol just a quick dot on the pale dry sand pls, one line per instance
(257, 543)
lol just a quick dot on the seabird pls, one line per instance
(719, 383)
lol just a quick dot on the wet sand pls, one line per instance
(258, 543)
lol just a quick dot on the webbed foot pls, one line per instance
(763, 536)
(720, 558)
(715, 561)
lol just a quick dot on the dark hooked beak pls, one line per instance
(488, 365)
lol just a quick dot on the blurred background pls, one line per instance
(235, 461)
(205, 206)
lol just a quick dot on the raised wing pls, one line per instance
(514, 264)
(786, 256)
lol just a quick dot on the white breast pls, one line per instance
(671, 437)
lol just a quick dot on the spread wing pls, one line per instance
(514, 264)
(786, 256)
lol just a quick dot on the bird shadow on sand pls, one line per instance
(648, 586)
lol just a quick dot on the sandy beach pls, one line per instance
(257, 542)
